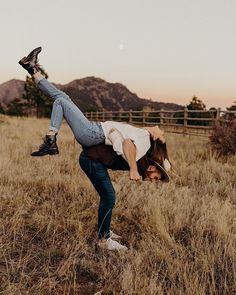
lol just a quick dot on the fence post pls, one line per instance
(130, 116)
(118, 116)
(185, 119)
(218, 114)
(185, 116)
(161, 118)
(144, 118)
(103, 115)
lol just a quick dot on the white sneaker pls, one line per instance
(110, 244)
(114, 236)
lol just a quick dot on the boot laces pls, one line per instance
(45, 143)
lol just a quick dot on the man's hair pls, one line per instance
(147, 175)
(158, 151)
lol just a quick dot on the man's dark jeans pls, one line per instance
(98, 175)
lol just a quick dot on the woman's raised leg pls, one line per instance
(86, 133)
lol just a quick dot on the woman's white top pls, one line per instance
(116, 132)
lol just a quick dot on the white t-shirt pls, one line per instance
(139, 136)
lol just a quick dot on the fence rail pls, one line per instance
(194, 122)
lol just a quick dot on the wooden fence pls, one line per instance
(192, 122)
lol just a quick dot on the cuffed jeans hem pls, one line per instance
(54, 129)
(38, 77)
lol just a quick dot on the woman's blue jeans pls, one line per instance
(98, 175)
(86, 133)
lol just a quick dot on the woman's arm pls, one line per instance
(129, 150)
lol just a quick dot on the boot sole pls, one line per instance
(26, 60)
(50, 154)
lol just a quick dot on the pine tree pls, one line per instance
(231, 116)
(198, 104)
(15, 107)
(233, 107)
(36, 103)
(2, 111)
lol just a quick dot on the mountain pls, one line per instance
(10, 90)
(91, 94)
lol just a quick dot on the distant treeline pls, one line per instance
(35, 103)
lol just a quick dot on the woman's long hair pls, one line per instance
(158, 151)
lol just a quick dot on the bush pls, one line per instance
(223, 138)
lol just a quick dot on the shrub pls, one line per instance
(223, 138)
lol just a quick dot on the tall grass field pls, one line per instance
(181, 235)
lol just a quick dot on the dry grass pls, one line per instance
(182, 235)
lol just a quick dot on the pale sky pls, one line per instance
(166, 50)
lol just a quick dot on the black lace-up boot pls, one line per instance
(49, 147)
(30, 63)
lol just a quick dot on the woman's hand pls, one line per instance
(156, 133)
(115, 131)
(134, 175)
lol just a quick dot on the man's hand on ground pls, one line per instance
(134, 175)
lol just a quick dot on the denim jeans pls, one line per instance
(98, 175)
(86, 133)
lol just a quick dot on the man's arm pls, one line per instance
(129, 150)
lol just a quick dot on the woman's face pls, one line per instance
(152, 174)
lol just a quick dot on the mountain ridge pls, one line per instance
(90, 94)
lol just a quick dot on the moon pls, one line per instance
(121, 46)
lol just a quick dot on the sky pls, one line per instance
(165, 50)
